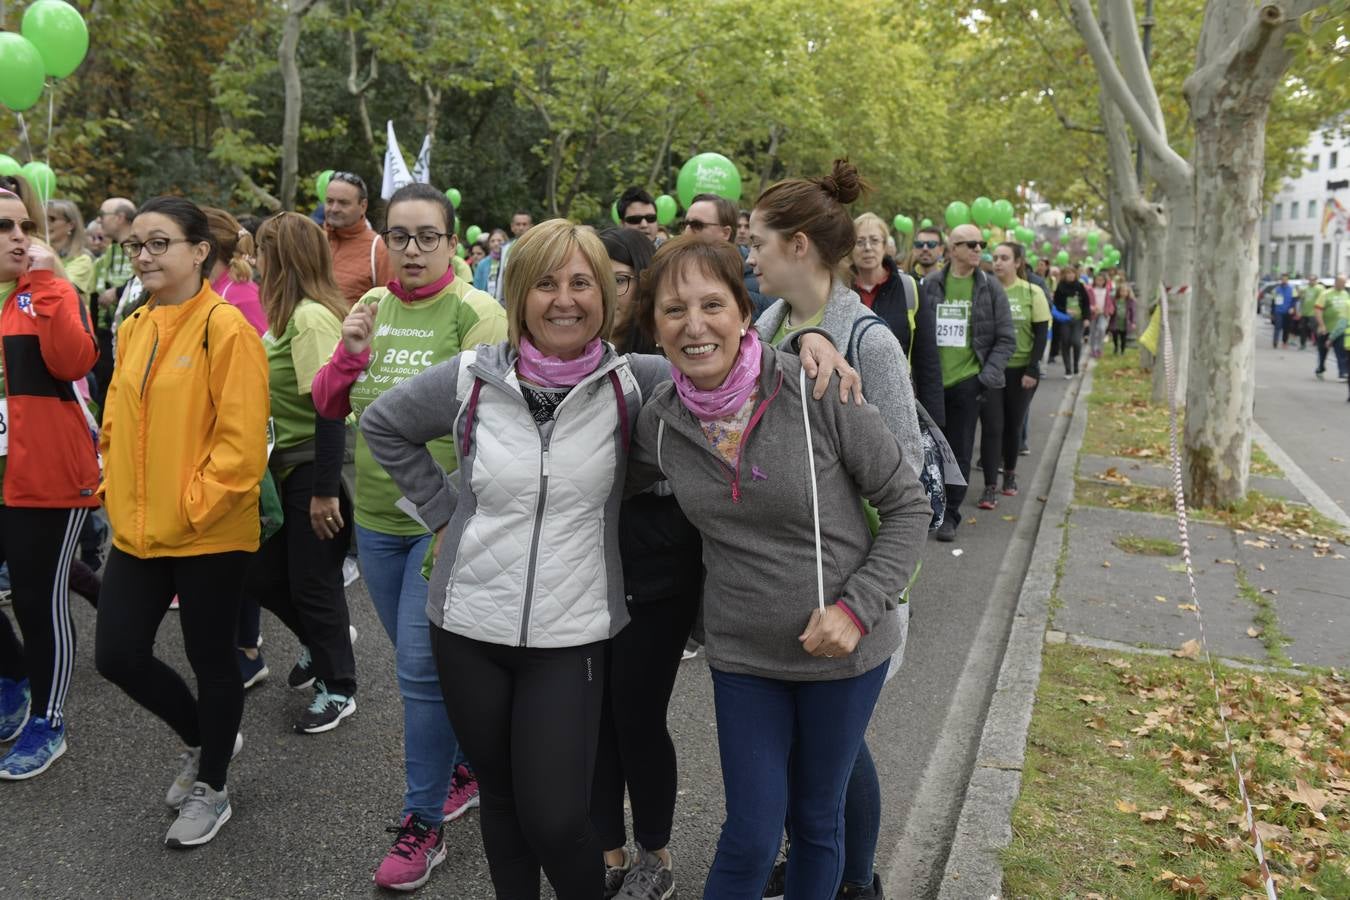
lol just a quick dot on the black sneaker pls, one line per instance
(777, 880)
(325, 712)
(871, 891)
(947, 530)
(302, 673)
(989, 499)
(614, 875)
(1009, 484)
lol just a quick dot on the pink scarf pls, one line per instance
(551, 372)
(731, 394)
(423, 292)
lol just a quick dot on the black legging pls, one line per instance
(1016, 402)
(136, 595)
(1070, 343)
(968, 402)
(299, 579)
(635, 746)
(39, 545)
(1118, 339)
(529, 719)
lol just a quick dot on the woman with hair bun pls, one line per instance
(801, 241)
(232, 272)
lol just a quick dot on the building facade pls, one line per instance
(1305, 230)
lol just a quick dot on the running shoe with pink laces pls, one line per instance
(417, 850)
(463, 794)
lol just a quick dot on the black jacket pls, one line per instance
(925, 366)
(1066, 292)
(993, 335)
(661, 550)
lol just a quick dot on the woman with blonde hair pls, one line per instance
(297, 572)
(232, 273)
(65, 234)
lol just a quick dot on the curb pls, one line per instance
(984, 828)
(1317, 498)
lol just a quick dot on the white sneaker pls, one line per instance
(191, 760)
(350, 571)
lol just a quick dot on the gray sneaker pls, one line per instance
(614, 875)
(200, 817)
(649, 879)
(187, 775)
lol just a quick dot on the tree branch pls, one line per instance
(1125, 39)
(1069, 124)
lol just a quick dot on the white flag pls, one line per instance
(422, 168)
(395, 167)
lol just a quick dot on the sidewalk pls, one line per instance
(1101, 695)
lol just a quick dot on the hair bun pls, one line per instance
(843, 184)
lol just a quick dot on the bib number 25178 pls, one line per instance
(952, 324)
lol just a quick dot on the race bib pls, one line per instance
(953, 321)
(4, 426)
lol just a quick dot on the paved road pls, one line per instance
(1309, 419)
(310, 812)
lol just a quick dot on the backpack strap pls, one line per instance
(467, 385)
(660, 436)
(374, 279)
(625, 427)
(911, 307)
(860, 328)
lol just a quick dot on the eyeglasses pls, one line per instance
(427, 241)
(638, 220)
(926, 245)
(696, 226)
(969, 245)
(624, 282)
(27, 226)
(865, 242)
(155, 246)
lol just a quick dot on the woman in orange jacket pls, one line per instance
(48, 478)
(184, 447)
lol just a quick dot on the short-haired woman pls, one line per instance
(184, 447)
(798, 650)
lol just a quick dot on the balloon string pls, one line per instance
(23, 130)
(51, 103)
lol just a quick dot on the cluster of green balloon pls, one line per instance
(53, 40)
(982, 211)
(1024, 235)
(707, 173)
(903, 224)
(38, 174)
(1094, 238)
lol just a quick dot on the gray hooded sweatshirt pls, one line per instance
(757, 524)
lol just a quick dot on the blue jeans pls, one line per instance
(760, 722)
(392, 567)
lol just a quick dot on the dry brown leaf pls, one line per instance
(1188, 607)
(1126, 806)
(1268, 831)
(1159, 598)
(1117, 663)
(1157, 815)
(1106, 564)
(1309, 796)
(1116, 745)
(1255, 632)
(1090, 699)
(1188, 650)
(1124, 862)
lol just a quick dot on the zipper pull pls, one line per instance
(545, 463)
(736, 491)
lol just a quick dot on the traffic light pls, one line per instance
(1068, 218)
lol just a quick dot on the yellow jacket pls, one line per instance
(185, 430)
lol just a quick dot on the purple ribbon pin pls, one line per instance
(757, 475)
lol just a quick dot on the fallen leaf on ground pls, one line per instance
(1269, 832)
(1126, 806)
(1260, 567)
(1309, 796)
(1124, 862)
(1255, 632)
(1116, 662)
(1188, 650)
(1157, 815)
(1090, 699)
(1106, 564)
(1159, 598)
(1188, 607)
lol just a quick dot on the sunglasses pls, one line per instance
(970, 245)
(926, 245)
(638, 220)
(695, 225)
(27, 226)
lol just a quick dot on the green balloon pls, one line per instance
(58, 32)
(473, 234)
(986, 233)
(926, 223)
(1093, 239)
(1047, 247)
(1024, 235)
(666, 209)
(21, 71)
(9, 165)
(453, 194)
(982, 211)
(321, 184)
(461, 252)
(1062, 258)
(904, 224)
(708, 173)
(1108, 250)
(614, 212)
(42, 178)
(1003, 213)
(957, 213)
(1032, 259)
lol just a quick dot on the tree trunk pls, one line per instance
(1242, 58)
(1178, 270)
(290, 123)
(357, 87)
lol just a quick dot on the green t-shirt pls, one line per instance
(1308, 301)
(410, 337)
(959, 361)
(80, 272)
(1335, 306)
(1029, 306)
(6, 288)
(292, 362)
(784, 329)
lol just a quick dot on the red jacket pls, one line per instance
(47, 342)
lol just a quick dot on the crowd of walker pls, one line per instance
(569, 459)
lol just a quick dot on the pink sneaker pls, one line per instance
(417, 850)
(463, 794)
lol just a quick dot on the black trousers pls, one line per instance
(1016, 402)
(299, 578)
(1070, 344)
(967, 403)
(1118, 341)
(39, 545)
(136, 595)
(635, 748)
(529, 718)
